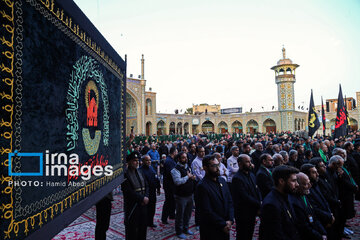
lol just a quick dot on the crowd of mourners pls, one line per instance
(300, 188)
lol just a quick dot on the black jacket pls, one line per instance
(255, 158)
(215, 206)
(264, 181)
(133, 199)
(308, 225)
(277, 218)
(186, 189)
(163, 149)
(168, 180)
(320, 205)
(152, 179)
(353, 167)
(246, 195)
(347, 189)
(330, 194)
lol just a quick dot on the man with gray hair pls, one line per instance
(308, 225)
(293, 159)
(255, 156)
(317, 199)
(285, 156)
(347, 189)
(341, 152)
(278, 159)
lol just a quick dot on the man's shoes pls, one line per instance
(182, 236)
(189, 232)
(152, 225)
(165, 222)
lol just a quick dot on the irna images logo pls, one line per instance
(60, 164)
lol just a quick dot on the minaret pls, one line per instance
(142, 67)
(285, 79)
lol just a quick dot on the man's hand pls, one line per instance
(324, 237)
(340, 172)
(145, 201)
(227, 228)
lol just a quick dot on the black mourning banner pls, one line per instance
(62, 124)
(314, 122)
(323, 117)
(341, 118)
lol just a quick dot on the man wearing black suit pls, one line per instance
(328, 184)
(316, 148)
(246, 198)
(347, 188)
(308, 225)
(168, 185)
(351, 165)
(255, 156)
(264, 178)
(154, 188)
(318, 201)
(277, 215)
(214, 202)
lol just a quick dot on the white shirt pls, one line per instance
(224, 173)
(232, 166)
(197, 168)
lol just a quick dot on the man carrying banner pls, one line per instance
(314, 123)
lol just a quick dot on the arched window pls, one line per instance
(148, 107)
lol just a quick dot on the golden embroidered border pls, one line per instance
(7, 70)
(8, 78)
(59, 14)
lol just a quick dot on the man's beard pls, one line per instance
(288, 190)
(214, 174)
(247, 168)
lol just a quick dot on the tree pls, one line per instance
(189, 111)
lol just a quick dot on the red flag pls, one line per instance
(341, 121)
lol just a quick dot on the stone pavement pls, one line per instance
(83, 228)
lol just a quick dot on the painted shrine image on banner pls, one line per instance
(62, 124)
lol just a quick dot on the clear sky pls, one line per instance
(221, 51)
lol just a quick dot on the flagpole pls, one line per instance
(323, 116)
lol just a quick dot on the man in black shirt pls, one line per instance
(136, 197)
(246, 198)
(154, 187)
(277, 215)
(214, 203)
(307, 223)
(264, 175)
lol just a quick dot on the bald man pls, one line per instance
(255, 156)
(308, 225)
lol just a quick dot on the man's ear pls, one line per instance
(281, 181)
